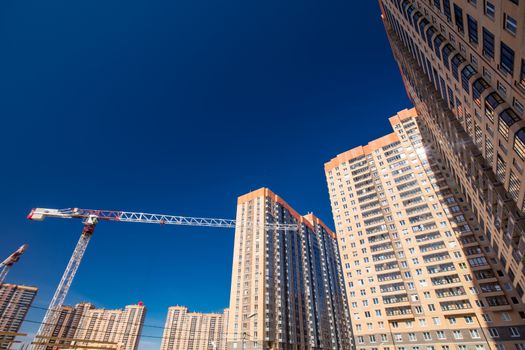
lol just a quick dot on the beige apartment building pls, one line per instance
(420, 272)
(462, 63)
(287, 287)
(15, 301)
(64, 328)
(186, 330)
(88, 326)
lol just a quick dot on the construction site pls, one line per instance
(84, 327)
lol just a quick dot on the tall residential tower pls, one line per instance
(287, 287)
(462, 63)
(420, 273)
(194, 330)
(15, 301)
(84, 324)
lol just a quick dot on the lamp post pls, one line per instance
(244, 333)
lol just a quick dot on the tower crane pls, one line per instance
(6, 265)
(91, 217)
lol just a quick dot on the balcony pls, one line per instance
(455, 305)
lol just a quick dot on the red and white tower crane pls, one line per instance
(6, 265)
(90, 218)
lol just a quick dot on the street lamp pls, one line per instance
(244, 333)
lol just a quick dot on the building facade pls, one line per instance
(65, 326)
(287, 287)
(123, 327)
(462, 65)
(15, 301)
(420, 273)
(86, 325)
(186, 330)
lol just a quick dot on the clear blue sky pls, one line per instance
(175, 106)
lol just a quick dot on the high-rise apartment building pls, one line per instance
(186, 330)
(123, 327)
(225, 328)
(84, 324)
(15, 301)
(420, 273)
(463, 66)
(287, 287)
(63, 330)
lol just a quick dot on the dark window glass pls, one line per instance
(446, 10)
(522, 75)
(456, 62)
(519, 143)
(506, 119)
(450, 97)
(437, 4)
(458, 17)
(404, 6)
(422, 26)
(430, 33)
(415, 18)
(490, 9)
(466, 74)
(478, 87)
(437, 44)
(472, 30)
(491, 102)
(507, 58)
(488, 43)
(409, 12)
(447, 50)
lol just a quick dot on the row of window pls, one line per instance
(506, 118)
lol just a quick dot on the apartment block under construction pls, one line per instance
(287, 289)
(86, 326)
(186, 330)
(15, 301)
(420, 273)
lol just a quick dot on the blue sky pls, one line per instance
(175, 107)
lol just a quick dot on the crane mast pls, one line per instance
(6, 265)
(90, 218)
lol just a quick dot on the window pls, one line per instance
(458, 17)
(521, 82)
(491, 102)
(500, 169)
(506, 119)
(430, 33)
(446, 10)
(488, 44)
(493, 333)
(438, 40)
(478, 87)
(507, 59)
(466, 74)
(519, 143)
(472, 25)
(447, 50)
(514, 332)
(510, 24)
(514, 186)
(456, 62)
(490, 9)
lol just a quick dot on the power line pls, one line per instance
(222, 335)
(38, 307)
